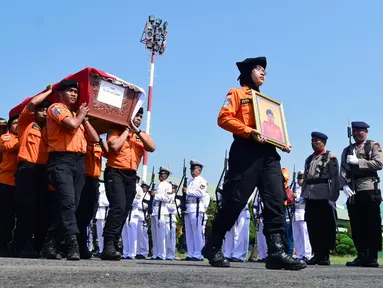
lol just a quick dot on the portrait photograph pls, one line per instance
(270, 119)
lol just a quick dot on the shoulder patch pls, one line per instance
(6, 137)
(331, 155)
(202, 186)
(138, 139)
(56, 110)
(378, 146)
(227, 102)
(35, 126)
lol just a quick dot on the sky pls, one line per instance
(324, 64)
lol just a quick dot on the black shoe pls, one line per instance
(187, 258)
(83, 247)
(139, 256)
(109, 252)
(371, 260)
(324, 260)
(314, 260)
(49, 250)
(277, 258)
(73, 253)
(215, 257)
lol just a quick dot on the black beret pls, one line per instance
(65, 84)
(249, 64)
(44, 104)
(140, 111)
(359, 124)
(319, 135)
(268, 111)
(12, 118)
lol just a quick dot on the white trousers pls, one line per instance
(129, 237)
(142, 239)
(236, 243)
(100, 228)
(261, 242)
(301, 239)
(194, 241)
(171, 237)
(159, 237)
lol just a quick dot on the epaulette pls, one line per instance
(331, 155)
(35, 126)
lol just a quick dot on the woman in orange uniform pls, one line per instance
(67, 132)
(126, 148)
(9, 146)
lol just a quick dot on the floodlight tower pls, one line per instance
(154, 37)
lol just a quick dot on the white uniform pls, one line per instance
(102, 211)
(196, 190)
(142, 228)
(301, 236)
(236, 243)
(158, 219)
(129, 230)
(171, 222)
(206, 202)
(261, 239)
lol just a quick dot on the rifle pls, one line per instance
(350, 151)
(149, 210)
(222, 177)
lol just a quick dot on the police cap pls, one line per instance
(360, 125)
(164, 170)
(268, 111)
(143, 183)
(319, 135)
(195, 164)
(65, 84)
(247, 65)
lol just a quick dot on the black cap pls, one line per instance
(10, 120)
(65, 84)
(247, 65)
(140, 111)
(268, 111)
(3, 122)
(319, 135)
(360, 125)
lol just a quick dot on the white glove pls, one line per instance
(347, 191)
(352, 159)
(332, 204)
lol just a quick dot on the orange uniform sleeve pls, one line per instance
(26, 117)
(9, 143)
(59, 112)
(227, 116)
(113, 134)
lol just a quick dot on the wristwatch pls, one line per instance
(139, 131)
(86, 118)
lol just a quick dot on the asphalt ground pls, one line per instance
(16, 272)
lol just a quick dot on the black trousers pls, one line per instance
(66, 173)
(251, 165)
(30, 193)
(321, 226)
(365, 220)
(120, 187)
(7, 213)
(87, 207)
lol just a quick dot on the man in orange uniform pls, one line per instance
(9, 146)
(3, 130)
(253, 163)
(90, 193)
(31, 180)
(270, 128)
(66, 166)
(126, 148)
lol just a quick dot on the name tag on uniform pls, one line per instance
(246, 101)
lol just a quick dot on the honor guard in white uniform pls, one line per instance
(171, 222)
(129, 230)
(195, 191)
(206, 203)
(236, 243)
(142, 227)
(261, 239)
(102, 212)
(300, 233)
(160, 211)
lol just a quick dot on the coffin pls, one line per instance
(111, 100)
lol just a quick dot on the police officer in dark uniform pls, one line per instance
(321, 190)
(361, 186)
(252, 163)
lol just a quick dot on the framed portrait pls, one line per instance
(270, 119)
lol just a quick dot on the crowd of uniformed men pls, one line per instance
(49, 191)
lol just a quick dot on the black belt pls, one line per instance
(316, 181)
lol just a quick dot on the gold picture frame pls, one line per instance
(270, 119)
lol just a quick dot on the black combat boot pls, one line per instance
(83, 245)
(277, 258)
(215, 256)
(362, 253)
(371, 259)
(73, 249)
(109, 252)
(49, 250)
